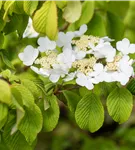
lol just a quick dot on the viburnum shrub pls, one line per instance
(81, 66)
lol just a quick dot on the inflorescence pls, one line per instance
(86, 59)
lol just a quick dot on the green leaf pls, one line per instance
(32, 87)
(51, 115)
(17, 7)
(7, 6)
(0, 4)
(89, 113)
(96, 26)
(103, 89)
(87, 13)
(119, 104)
(3, 114)
(5, 92)
(45, 19)
(131, 86)
(31, 124)
(17, 140)
(115, 26)
(2, 22)
(1, 40)
(6, 61)
(17, 23)
(61, 4)
(19, 113)
(72, 12)
(30, 6)
(83, 91)
(72, 99)
(26, 97)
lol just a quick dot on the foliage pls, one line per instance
(30, 104)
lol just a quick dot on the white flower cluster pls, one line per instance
(86, 59)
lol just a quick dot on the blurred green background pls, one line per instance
(115, 19)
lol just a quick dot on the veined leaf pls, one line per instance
(31, 124)
(32, 87)
(89, 113)
(2, 22)
(17, 7)
(72, 99)
(3, 114)
(119, 104)
(87, 13)
(17, 140)
(131, 86)
(7, 6)
(5, 59)
(5, 92)
(30, 6)
(26, 96)
(45, 19)
(51, 115)
(72, 12)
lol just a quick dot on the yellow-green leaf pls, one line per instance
(0, 4)
(7, 6)
(5, 93)
(3, 114)
(45, 19)
(120, 104)
(87, 13)
(73, 11)
(30, 6)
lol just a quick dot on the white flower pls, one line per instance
(96, 74)
(29, 31)
(46, 44)
(81, 31)
(78, 53)
(84, 80)
(125, 70)
(104, 50)
(70, 76)
(106, 39)
(67, 57)
(125, 47)
(57, 72)
(29, 55)
(64, 39)
(40, 71)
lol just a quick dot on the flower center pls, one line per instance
(85, 65)
(46, 62)
(83, 42)
(112, 66)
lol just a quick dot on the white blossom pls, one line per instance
(64, 39)
(70, 76)
(29, 55)
(104, 50)
(46, 44)
(125, 47)
(81, 31)
(29, 31)
(40, 71)
(57, 72)
(66, 57)
(84, 80)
